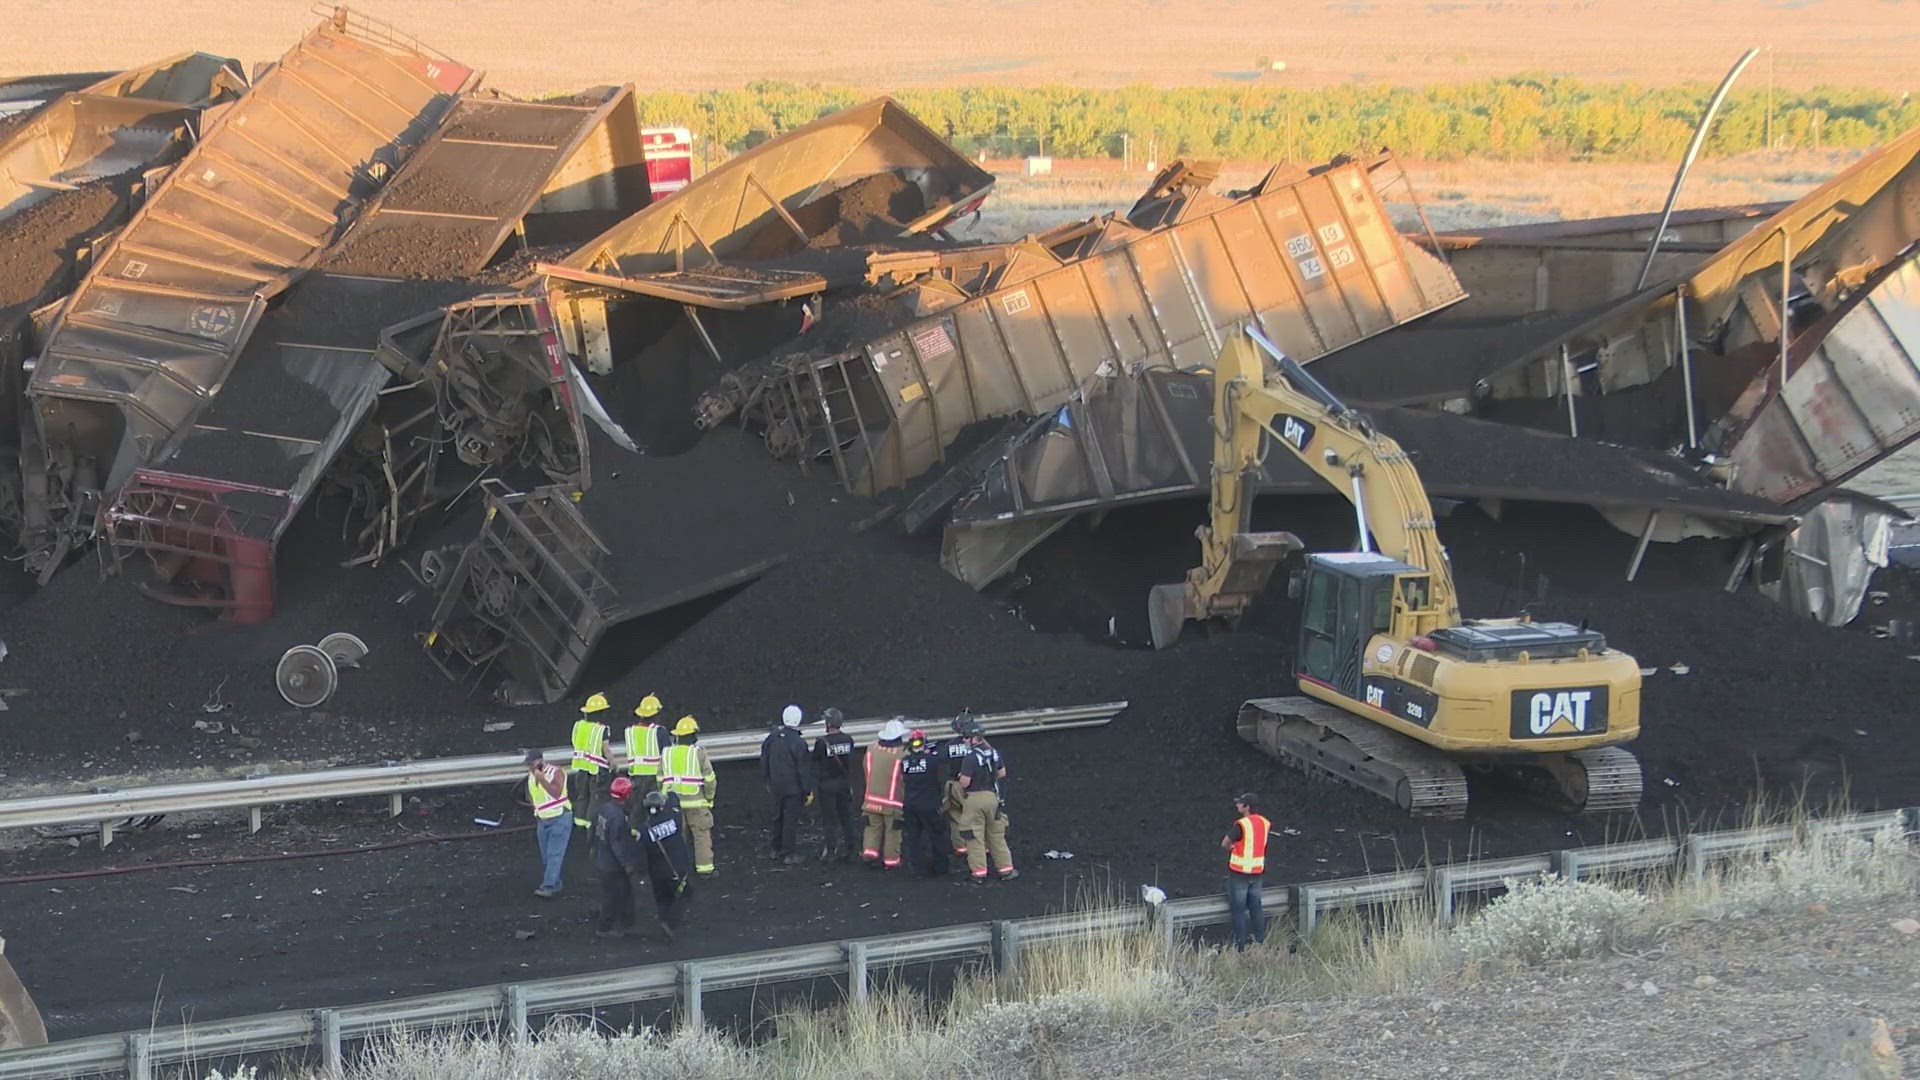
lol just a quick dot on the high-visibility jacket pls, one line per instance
(589, 746)
(1249, 853)
(643, 750)
(686, 772)
(883, 778)
(544, 805)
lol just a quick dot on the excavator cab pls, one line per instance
(1348, 599)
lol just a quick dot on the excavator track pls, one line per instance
(1611, 780)
(1319, 739)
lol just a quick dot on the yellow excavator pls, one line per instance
(1402, 695)
(20, 1024)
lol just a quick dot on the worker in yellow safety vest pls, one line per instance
(589, 757)
(643, 746)
(547, 794)
(686, 772)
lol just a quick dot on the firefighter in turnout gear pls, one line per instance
(1246, 847)
(663, 834)
(833, 772)
(953, 754)
(589, 756)
(924, 812)
(686, 772)
(547, 794)
(643, 745)
(882, 802)
(984, 824)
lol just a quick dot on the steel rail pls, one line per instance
(396, 779)
(506, 1007)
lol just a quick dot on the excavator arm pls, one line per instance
(1251, 413)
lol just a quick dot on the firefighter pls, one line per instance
(616, 858)
(1246, 848)
(547, 794)
(669, 864)
(833, 773)
(789, 776)
(953, 754)
(589, 756)
(881, 803)
(924, 812)
(984, 825)
(643, 745)
(686, 772)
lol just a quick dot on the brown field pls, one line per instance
(536, 45)
(1455, 194)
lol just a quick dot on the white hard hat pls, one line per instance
(892, 731)
(791, 716)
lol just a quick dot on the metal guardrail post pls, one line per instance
(139, 1056)
(517, 1029)
(255, 821)
(1006, 946)
(690, 1016)
(326, 1025)
(856, 972)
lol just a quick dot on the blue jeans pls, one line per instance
(1243, 904)
(553, 834)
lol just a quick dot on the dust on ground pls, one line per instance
(1732, 999)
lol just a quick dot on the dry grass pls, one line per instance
(678, 44)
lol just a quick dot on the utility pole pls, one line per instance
(1126, 151)
(1769, 98)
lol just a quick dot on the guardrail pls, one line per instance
(395, 780)
(508, 1007)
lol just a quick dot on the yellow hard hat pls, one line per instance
(687, 726)
(649, 706)
(596, 703)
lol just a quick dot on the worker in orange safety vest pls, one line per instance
(1246, 847)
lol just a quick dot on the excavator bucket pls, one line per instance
(1167, 613)
(20, 1024)
(1231, 583)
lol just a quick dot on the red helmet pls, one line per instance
(622, 787)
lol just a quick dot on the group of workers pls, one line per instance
(940, 801)
(943, 801)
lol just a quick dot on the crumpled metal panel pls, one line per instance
(1852, 398)
(1316, 262)
(1126, 440)
(149, 336)
(736, 210)
(131, 120)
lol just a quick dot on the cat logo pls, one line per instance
(1377, 697)
(1560, 713)
(1566, 710)
(1297, 432)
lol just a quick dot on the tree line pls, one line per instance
(1518, 118)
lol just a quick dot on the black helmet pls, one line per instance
(833, 716)
(969, 727)
(960, 722)
(655, 799)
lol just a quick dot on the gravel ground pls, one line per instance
(1755, 998)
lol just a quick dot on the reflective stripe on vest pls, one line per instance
(680, 774)
(546, 806)
(1249, 853)
(589, 745)
(643, 750)
(889, 797)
